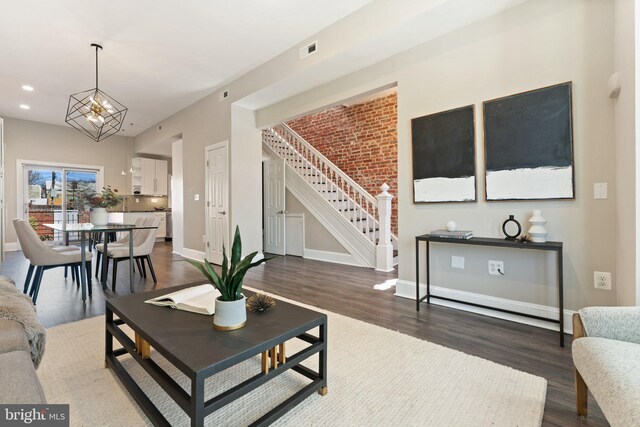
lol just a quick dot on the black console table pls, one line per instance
(502, 243)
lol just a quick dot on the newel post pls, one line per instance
(384, 249)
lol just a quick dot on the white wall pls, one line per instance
(246, 179)
(626, 153)
(29, 140)
(316, 236)
(533, 45)
(177, 196)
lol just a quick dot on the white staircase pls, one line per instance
(350, 213)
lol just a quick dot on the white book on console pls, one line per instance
(199, 299)
(459, 234)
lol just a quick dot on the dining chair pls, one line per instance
(75, 276)
(143, 244)
(43, 257)
(124, 241)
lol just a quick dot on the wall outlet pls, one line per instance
(602, 280)
(204, 238)
(137, 200)
(154, 200)
(457, 262)
(496, 268)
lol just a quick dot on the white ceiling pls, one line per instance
(159, 56)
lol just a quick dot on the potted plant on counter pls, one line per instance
(230, 308)
(99, 203)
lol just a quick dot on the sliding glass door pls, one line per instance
(57, 194)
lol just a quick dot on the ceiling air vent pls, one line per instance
(224, 94)
(309, 49)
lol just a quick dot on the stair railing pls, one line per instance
(304, 159)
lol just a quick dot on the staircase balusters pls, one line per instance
(355, 203)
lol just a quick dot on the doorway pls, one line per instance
(50, 193)
(217, 200)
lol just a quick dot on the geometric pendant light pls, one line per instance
(95, 113)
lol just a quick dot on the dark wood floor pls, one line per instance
(349, 291)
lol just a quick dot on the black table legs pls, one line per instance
(547, 246)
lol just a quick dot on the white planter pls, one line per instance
(230, 315)
(538, 232)
(99, 216)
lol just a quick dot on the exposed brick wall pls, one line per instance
(42, 217)
(361, 140)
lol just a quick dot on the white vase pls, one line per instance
(230, 315)
(537, 231)
(99, 216)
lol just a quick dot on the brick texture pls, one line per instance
(360, 139)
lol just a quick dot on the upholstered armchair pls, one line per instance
(606, 356)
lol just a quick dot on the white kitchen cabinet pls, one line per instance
(162, 177)
(149, 177)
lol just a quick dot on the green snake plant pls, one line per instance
(229, 281)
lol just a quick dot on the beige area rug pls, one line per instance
(376, 377)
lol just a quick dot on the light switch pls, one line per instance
(457, 262)
(137, 200)
(196, 197)
(600, 190)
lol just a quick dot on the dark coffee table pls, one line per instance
(190, 343)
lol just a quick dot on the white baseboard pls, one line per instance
(335, 257)
(11, 247)
(193, 254)
(407, 289)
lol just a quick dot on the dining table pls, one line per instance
(85, 229)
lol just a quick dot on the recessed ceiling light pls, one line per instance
(24, 106)
(27, 88)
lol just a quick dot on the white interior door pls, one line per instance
(274, 207)
(217, 201)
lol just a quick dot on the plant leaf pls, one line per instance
(199, 266)
(230, 280)
(245, 262)
(225, 263)
(236, 250)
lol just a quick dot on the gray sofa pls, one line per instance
(606, 356)
(21, 347)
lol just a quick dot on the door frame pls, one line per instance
(21, 163)
(207, 230)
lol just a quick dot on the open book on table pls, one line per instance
(199, 299)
